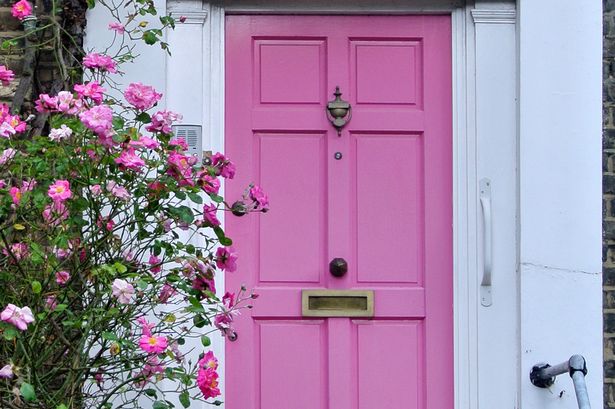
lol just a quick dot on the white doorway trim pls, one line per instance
(470, 321)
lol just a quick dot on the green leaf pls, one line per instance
(27, 391)
(109, 336)
(144, 117)
(60, 307)
(118, 123)
(199, 321)
(36, 287)
(180, 195)
(160, 405)
(184, 399)
(151, 392)
(10, 333)
(62, 406)
(205, 340)
(184, 213)
(226, 241)
(91, 3)
(216, 198)
(142, 284)
(119, 267)
(150, 38)
(195, 197)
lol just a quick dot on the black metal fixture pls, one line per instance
(339, 111)
(338, 267)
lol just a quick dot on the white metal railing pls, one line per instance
(543, 376)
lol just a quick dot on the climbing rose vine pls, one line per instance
(110, 242)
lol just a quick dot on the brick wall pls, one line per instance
(45, 76)
(608, 211)
(10, 27)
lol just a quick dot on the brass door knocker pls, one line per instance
(339, 111)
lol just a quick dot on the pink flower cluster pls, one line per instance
(224, 318)
(6, 75)
(141, 96)
(18, 251)
(223, 167)
(64, 102)
(91, 90)
(16, 193)
(96, 61)
(19, 317)
(226, 259)
(10, 124)
(99, 119)
(55, 213)
(162, 121)
(209, 215)
(180, 168)
(128, 159)
(21, 10)
(207, 376)
(7, 156)
(149, 342)
(117, 27)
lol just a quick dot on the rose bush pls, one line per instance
(109, 245)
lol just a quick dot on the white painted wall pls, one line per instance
(560, 192)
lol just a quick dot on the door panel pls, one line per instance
(385, 206)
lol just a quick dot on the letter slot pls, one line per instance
(337, 303)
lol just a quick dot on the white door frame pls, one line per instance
(484, 98)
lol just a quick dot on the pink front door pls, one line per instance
(379, 196)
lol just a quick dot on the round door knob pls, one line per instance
(338, 267)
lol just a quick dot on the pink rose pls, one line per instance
(98, 119)
(152, 344)
(141, 96)
(7, 156)
(207, 380)
(166, 293)
(117, 27)
(59, 191)
(226, 259)
(117, 190)
(260, 198)
(21, 10)
(6, 372)
(122, 290)
(6, 75)
(162, 121)
(19, 317)
(100, 62)
(15, 193)
(155, 264)
(224, 167)
(129, 160)
(209, 215)
(46, 103)
(62, 277)
(96, 190)
(91, 90)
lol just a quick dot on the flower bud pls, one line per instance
(239, 208)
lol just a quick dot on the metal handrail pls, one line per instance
(543, 376)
